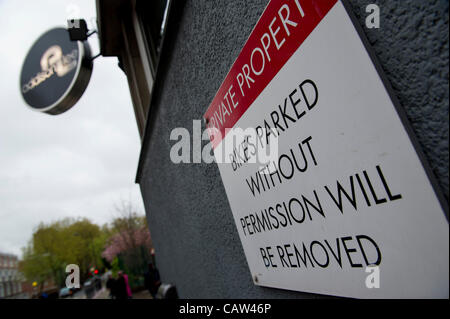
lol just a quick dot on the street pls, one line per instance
(104, 294)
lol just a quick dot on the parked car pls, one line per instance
(65, 292)
(89, 288)
(97, 282)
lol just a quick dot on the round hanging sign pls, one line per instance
(56, 72)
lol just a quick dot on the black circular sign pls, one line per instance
(55, 72)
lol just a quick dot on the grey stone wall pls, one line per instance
(196, 241)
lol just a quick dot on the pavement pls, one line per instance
(104, 294)
(101, 294)
(144, 294)
(78, 295)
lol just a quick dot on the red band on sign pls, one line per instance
(280, 31)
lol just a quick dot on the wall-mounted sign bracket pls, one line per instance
(57, 69)
(78, 31)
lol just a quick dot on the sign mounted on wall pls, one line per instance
(56, 72)
(344, 204)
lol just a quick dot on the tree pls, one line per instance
(54, 246)
(129, 240)
(124, 242)
(35, 267)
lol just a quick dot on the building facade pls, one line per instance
(11, 280)
(176, 54)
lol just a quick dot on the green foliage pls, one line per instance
(35, 267)
(115, 267)
(129, 241)
(54, 246)
(79, 241)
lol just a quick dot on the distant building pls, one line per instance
(11, 280)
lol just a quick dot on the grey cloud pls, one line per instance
(77, 164)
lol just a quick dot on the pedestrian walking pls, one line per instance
(111, 286)
(152, 280)
(127, 286)
(121, 287)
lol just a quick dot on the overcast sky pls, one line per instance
(79, 163)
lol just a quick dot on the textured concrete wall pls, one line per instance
(196, 241)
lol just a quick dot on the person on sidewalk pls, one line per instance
(127, 286)
(111, 286)
(152, 281)
(121, 287)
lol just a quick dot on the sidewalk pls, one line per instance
(104, 294)
(101, 294)
(144, 294)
